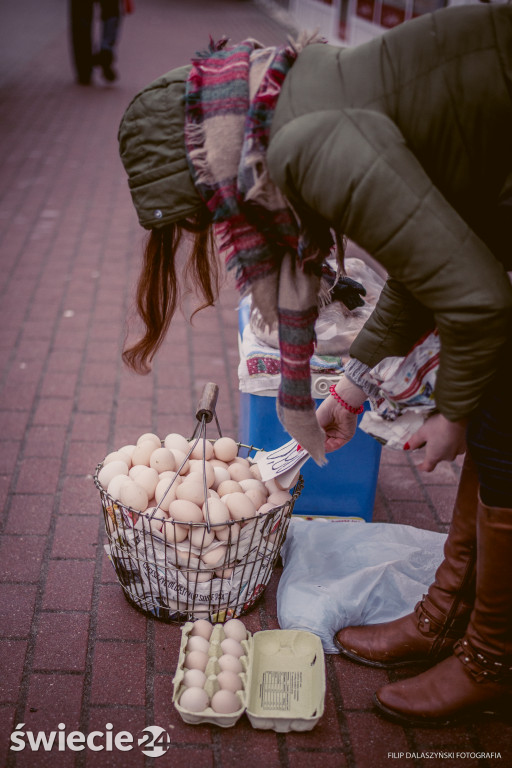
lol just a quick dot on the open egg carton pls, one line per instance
(277, 677)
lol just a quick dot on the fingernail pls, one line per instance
(407, 447)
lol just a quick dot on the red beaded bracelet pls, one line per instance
(351, 408)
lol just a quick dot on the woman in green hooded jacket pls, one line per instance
(402, 144)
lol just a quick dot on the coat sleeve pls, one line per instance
(354, 169)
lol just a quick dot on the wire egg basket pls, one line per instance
(218, 570)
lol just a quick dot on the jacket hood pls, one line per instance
(152, 149)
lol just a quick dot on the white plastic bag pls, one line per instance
(340, 574)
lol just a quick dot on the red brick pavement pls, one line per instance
(72, 650)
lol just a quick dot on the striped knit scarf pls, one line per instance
(230, 101)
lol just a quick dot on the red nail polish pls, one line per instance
(407, 447)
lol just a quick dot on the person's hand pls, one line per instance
(339, 424)
(443, 441)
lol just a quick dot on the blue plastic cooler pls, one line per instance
(344, 487)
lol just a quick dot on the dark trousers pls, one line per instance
(81, 14)
(490, 437)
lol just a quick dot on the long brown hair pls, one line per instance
(158, 289)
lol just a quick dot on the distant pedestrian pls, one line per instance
(86, 54)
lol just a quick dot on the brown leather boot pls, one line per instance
(440, 618)
(478, 676)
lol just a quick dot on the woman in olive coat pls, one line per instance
(402, 144)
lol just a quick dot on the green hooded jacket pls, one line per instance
(404, 144)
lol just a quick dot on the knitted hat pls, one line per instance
(152, 149)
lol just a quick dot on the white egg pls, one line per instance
(251, 483)
(119, 455)
(232, 647)
(129, 449)
(165, 491)
(174, 533)
(198, 577)
(231, 663)
(219, 463)
(191, 489)
(182, 462)
(256, 496)
(229, 533)
(109, 471)
(239, 472)
(203, 628)
(229, 486)
(200, 537)
(271, 486)
(225, 448)
(221, 474)
(229, 681)
(203, 449)
(185, 511)
(225, 702)
(255, 471)
(289, 484)
(115, 484)
(198, 643)
(149, 437)
(142, 453)
(194, 678)
(225, 573)
(148, 478)
(266, 508)
(196, 660)
(203, 470)
(162, 460)
(194, 699)
(218, 513)
(277, 498)
(240, 506)
(215, 557)
(175, 440)
(235, 629)
(134, 496)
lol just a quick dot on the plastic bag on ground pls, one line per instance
(340, 574)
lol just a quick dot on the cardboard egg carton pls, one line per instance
(283, 680)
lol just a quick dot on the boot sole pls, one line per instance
(382, 664)
(435, 722)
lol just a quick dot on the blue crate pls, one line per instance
(344, 487)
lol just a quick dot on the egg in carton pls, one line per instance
(199, 698)
(277, 677)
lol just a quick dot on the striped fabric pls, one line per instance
(227, 129)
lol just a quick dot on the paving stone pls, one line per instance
(12, 660)
(30, 513)
(79, 495)
(21, 557)
(76, 536)
(38, 475)
(61, 642)
(69, 585)
(117, 619)
(17, 603)
(52, 699)
(127, 720)
(119, 673)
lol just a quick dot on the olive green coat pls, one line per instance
(404, 144)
